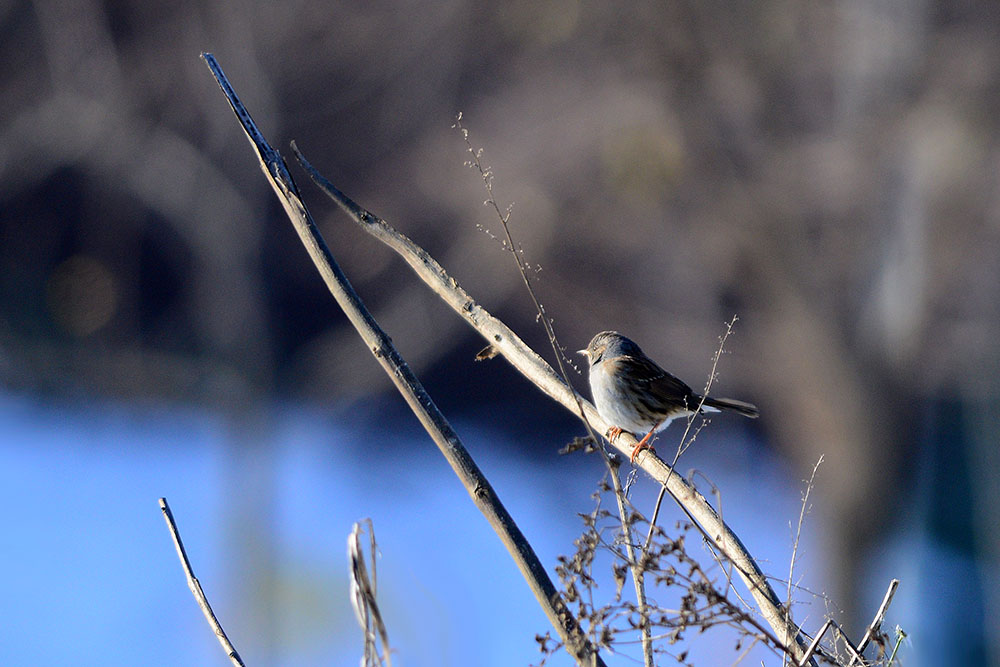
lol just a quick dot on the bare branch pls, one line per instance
(851, 648)
(815, 643)
(635, 564)
(478, 487)
(195, 586)
(798, 532)
(876, 624)
(533, 367)
(684, 443)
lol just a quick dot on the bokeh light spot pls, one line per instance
(82, 295)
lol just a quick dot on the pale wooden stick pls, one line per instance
(876, 623)
(380, 345)
(533, 367)
(815, 643)
(195, 586)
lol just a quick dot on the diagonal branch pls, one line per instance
(195, 586)
(814, 645)
(876, 624)
(533, 367)
(478, 487)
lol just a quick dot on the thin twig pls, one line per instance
(876, 624)
(684, 444)
(635, 565)
(900, 636)
(851, 648)
(715, 553)
(195, 586)
(380, 345)
(815, 643)
(746, 652)
(798, 529)
(533, 367)
(798, 532)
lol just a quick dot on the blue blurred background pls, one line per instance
(828, 172)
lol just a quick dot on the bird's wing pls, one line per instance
(665, 386)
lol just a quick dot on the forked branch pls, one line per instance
(533, 367)
(447, 440)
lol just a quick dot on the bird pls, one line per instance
(632, 393)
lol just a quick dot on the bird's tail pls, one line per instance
(746, 409)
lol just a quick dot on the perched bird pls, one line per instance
(632, 393)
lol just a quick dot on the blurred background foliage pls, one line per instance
(827, 171)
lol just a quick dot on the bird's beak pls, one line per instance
(584, 353)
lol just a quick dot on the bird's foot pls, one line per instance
(642, 444)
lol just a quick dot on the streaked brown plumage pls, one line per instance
(632, 393)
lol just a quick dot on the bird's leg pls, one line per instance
(613, 433)
(644, 443)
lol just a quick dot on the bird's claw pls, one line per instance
(643, 444)
(638, 448)
(615, 431)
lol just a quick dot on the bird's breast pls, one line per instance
(616, 405)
